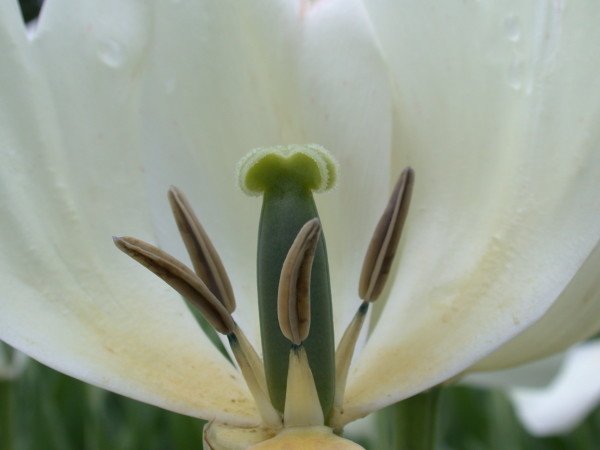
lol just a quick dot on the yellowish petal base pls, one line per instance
(307, 438)
(223, 437)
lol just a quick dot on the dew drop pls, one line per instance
(515, 73)
(111, 53)
(512, 28)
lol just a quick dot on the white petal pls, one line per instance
(71, 176)
(561, 406)
(258, 74)
(579, 302)
(13, 27)
(498, 113)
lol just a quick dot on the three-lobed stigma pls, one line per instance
(307, 166)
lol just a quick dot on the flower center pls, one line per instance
(302, 379)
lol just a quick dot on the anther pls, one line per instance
(375, 271)
(216, 309)
(302, 405)
(383, 245)
(294, 284)
(180, 278)
(205, 259)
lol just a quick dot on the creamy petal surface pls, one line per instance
(72, 176)
(573, 317)
(495, 106)
(497, 111)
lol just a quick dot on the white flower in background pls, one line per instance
(551, 396)
(568, 399)
(494, 104)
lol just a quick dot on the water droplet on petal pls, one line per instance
(512, 28)
(515, 73)
(111, 53)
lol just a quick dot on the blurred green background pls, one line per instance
(50, 411)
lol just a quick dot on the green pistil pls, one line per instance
(286, 177)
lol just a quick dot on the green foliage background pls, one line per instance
(45, 410)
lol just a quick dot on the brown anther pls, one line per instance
(293, 305)
(180, 278)
(383, 245)
(205, 259)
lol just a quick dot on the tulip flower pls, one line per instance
(494, 105)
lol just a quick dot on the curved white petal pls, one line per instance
(232, 76)
(498, 113)
(574, 316)
(562, 405)
(71, 176)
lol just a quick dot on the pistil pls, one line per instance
(286, 178)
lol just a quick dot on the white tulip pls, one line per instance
(495, 105)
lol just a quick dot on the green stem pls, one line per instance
(410, 424)
(6, 415)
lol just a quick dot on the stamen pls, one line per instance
(302, 405)
(193, 289)
(375, 271)
(205, 259)
(254, 360)
(381, 251)
(294, 284)
(344, 353)
(255, 377)
(180, 278)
